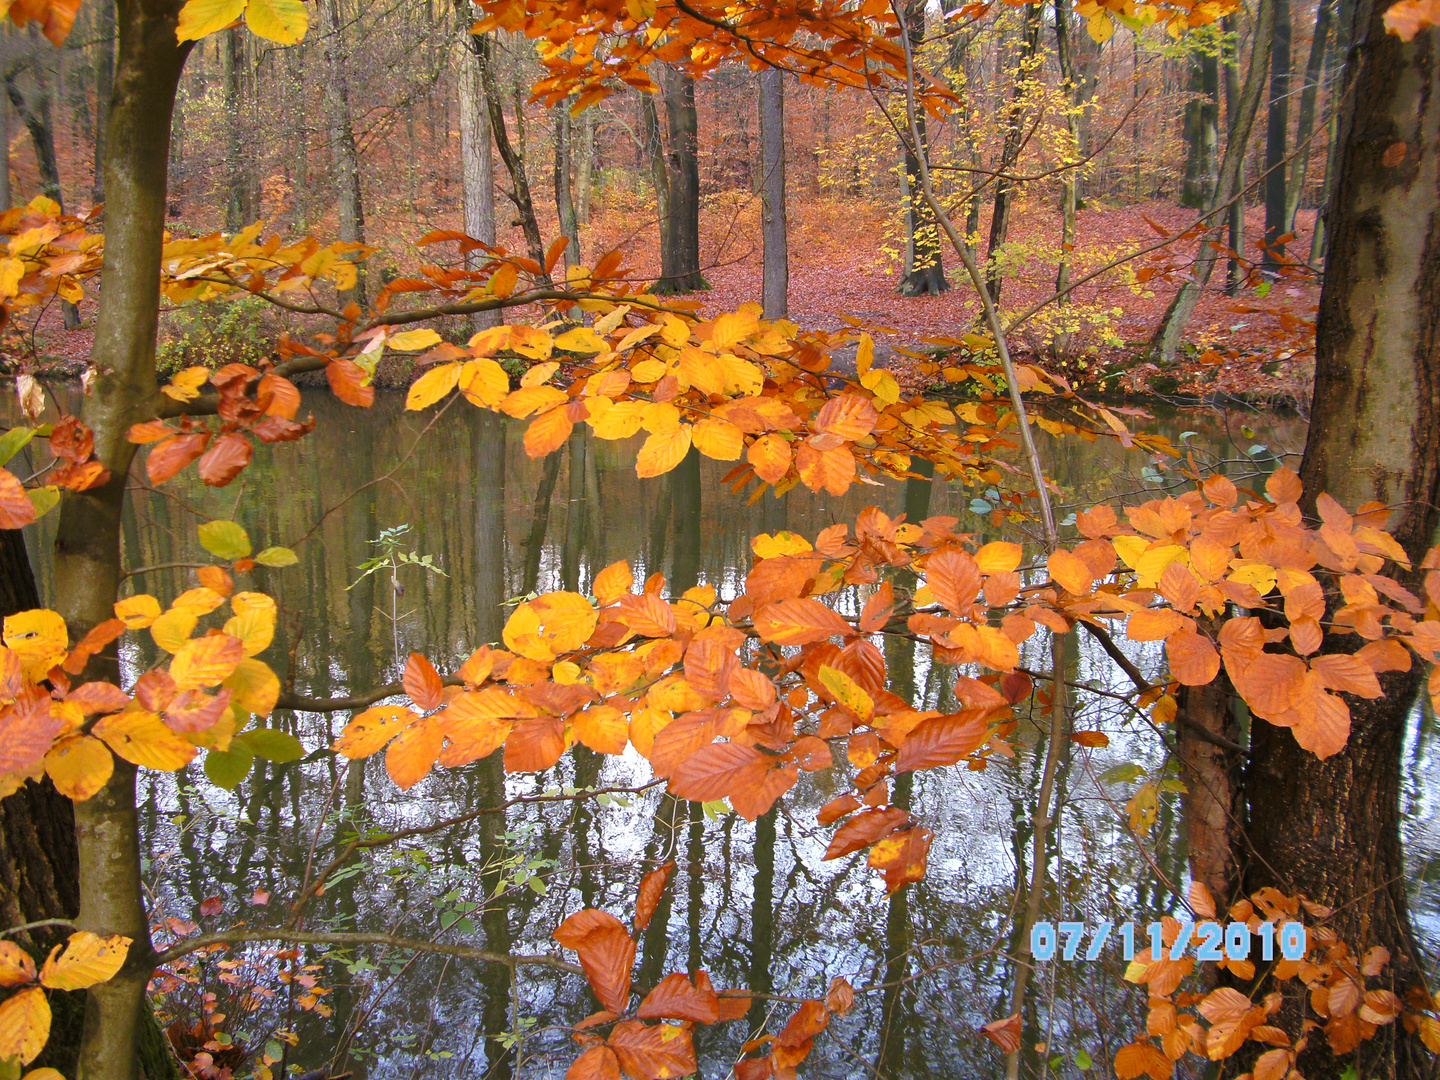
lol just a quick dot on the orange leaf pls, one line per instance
(347, 382)
(548, 432)
(799, 622)
(15, 506)
(412, 755)
(1193, 659)
(534, 745)
(372, 730)
(832, 469)
(422, 682)
(729, 770)
(612, 583)
(607, 954)
(173, 454)
(954, 580)
(863, 830)
(1283, 486)
(662, 451)
(878, 609)
(770, 455)
(1070, 572)
(840, 998)
(1349, 674)
(902, 857)
(1004, 1033)
(1153, 624)
(1141, 1058)
(849, 416)
(597, 1063)
(943, 740)
(648, 1051)
(225, 459)
(675, 997)
(648, 615)
(652, 887)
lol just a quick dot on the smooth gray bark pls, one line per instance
(775, 284)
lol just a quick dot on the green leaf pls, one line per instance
(224, 539)
(1122, 774)
(12, 442)
(1083, 1060)
(277, 556)
(226, 768)
(201, 17)
(43, 499)
(272, 745)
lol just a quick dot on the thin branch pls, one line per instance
(317, 937)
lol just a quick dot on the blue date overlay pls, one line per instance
(1210, 941)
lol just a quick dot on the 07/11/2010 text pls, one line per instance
(1211, 941)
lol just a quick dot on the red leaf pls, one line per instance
(1004, 1033)
(648, 1051)
(943, 740)
(278, 429)
(422, 682)
(212, 905)
(835, 809)
(677, 998)
(26, 734)
(72, 440)
(652, 887)
(224, 461)
(863, 830)
(173, 454)
(573, 931)
(98, 637)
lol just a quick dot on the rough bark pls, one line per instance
(1171, 331)
(1330, 829)
(659, 179)
(683, 159)
(242, 188)
(1070, 181)
(775, 281)
(1277, 135)
(340, 135)
(87, 544)
(477, 164)
(104, 88)
(1202, 122)
(1235, 217)
(564, 193)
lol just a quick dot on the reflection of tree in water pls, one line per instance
(750, 903)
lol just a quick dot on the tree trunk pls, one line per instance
(1235, 216)
(1070, 180)
(775, 287)
(477, 165)
(1166, 342)
(564, 197)
(924, 268)
(87, 543)
(1202, 115)
(6, 198)
(684, 161)
(1330, 829)
(585, 167)
(242, 206)
(104, 88)
(514, 160)
(660, 180)
(340, 134)
(1010, 154)
(1277, 135)
(1314, 69)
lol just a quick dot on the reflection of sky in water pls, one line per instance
(746, 899)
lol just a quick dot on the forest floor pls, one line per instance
(844, 269)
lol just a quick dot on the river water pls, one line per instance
(752, 904)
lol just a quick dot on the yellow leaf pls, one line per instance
(141, 738)
(255, 629)
(882, 384)
(1100, 27)
(79, 766)
(283, 21)
(254, 685)
(137, 612)
(999, 557)
(847, 692)
(1130, 548)
(38, 637)
(371, 730)
(24, 1025)
(718, 439)
(540, 374)
(483, 382)
(197, 602)
(619, 421)
(531, 399)
(244, 602)
(543, 628)
(87, 960)
(733, 327)
(410, 340)
(1153, 563)
(581, 340)
(201, 17)
(782, 543)
(531, 342)
(11, 271)
(1143, 808)
(432, 386)
(186, 384)
(663, 451)
(16, 967)
(603, 729)
(172, 629)
(648, 371)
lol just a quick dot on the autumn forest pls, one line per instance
(674, 538)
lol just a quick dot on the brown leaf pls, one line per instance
(902, 857)
(675, 997)
(863, 830)
(573, 931)
(1004, 1033)
(597, 1063)
(224, 460)
(943, 740)
(607, 954)
(652, 1052)
(652, 887)
(347, 381)
(840, 998)
(173, 454)
(749, 779)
